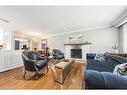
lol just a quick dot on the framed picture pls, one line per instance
(43, 43)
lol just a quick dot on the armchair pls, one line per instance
(57, 54)
(33, 62)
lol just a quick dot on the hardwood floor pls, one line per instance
(13, 80)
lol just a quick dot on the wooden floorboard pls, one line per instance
(13, 79)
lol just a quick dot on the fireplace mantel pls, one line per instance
(73, 44)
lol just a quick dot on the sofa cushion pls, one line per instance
(94, 80)
(101, 80)
(111, 61)
(99, 66)
(119, 59)
(114, 81)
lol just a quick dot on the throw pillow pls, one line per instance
(100, 57)
(121, 69)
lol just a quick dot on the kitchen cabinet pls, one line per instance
(10, 60)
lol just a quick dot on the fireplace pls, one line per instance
(76, 53)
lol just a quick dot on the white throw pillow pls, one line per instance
(100, 57)
(121, 69)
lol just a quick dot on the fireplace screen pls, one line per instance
(76, 53)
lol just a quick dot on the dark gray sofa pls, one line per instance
(99, 74)
(107, 66)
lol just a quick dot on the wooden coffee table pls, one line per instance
(75, 77)
(60, 71)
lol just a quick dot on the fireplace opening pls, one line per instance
(76, 53)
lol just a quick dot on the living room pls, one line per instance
(69, 45)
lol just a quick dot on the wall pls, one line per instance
(102, 39)
(123, 38)
(1, 34)
(6, 35)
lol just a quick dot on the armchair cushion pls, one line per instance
(41, 63)
(60, 56)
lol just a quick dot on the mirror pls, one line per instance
(43, 43)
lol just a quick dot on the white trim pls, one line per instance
(121, 23)
(80, 30)
(122, 19)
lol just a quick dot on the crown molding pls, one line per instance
(120, 20)
(81, 30)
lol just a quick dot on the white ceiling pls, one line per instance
(59, 19)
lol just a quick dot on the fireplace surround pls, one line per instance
(76, 50)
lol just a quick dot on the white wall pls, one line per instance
(123, 38)
(1, 34)
(102, 39)
(6, 35)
